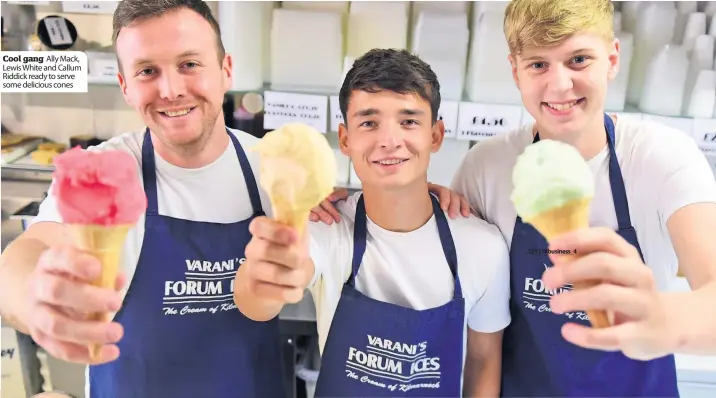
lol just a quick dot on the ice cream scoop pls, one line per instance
(298, 171)
(100, 197)
(552, 190)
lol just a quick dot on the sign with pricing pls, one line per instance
(283, 108)
(90, 7)
(704, 132)
(477, 122)
(448, 114)
(13, 383)
(336, 115)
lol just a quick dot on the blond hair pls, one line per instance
(544, 23)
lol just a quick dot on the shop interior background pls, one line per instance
(298, 52)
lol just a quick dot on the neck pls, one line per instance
(589, 142)
(199, 153)
(399, 210)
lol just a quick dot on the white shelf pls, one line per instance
(103, 80)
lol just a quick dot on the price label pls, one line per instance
(680, 123)
(448, 114)
(477, 122)
(704, 132)
(283, 108)
(85, 7)
(13, 383)
(336, 115)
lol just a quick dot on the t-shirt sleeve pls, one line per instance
(491, 312)
(466, 181)
(683, 176)
(320, 242)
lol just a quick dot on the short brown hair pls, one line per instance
(129, 12)
(544, 23)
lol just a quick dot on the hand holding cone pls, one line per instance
(553, 189)
(100, 198)
(298, 171)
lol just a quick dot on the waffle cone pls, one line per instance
(286, 214)
(105, 243)
(570, 217)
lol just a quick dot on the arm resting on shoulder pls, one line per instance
(18, 261)
(693, 230)
(483, 364)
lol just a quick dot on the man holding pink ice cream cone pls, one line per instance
(174, 329)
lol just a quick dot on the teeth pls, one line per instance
(562, 107)
(390, 161)
(177, 113)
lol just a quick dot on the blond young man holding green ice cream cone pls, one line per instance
(653, 212)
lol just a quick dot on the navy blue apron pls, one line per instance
(183, 335)
(537, 361)
(380, 349)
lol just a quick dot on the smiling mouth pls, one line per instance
(564, 106)
(178, 113)
(390, 162)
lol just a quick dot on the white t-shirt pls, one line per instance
(663, 171)
(410, 269)
(213, 193)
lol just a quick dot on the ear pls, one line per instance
(226, 69)
(614, 49)
(513, 64)
(343, 138)
(123, 87)
(438, 135)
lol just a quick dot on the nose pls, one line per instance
(172, 86)
(560, 79)
(391, 136)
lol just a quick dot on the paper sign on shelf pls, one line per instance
(282, 108)
(90, 7)
(13, 382)
(336, 115)
(58, 31)
(448, 114)
(480, 121)
(704, 133)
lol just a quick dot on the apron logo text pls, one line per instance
(385, 362)
(208, 288)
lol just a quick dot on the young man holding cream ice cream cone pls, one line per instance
(653, 211)
(407, 299)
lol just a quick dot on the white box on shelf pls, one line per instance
(480, 121)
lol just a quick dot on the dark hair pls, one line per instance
(132, 11)
(393, 70)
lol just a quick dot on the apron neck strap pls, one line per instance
(149, 174)
(616, 181)
(360, 232)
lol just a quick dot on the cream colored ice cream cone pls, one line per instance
(105, 243)
(298, 171)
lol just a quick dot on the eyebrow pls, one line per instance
(373, 111)
(575, 52)
(190, 53)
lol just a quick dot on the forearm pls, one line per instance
(253, 307)
(693, 320)
(16, 264)
(482, 376)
